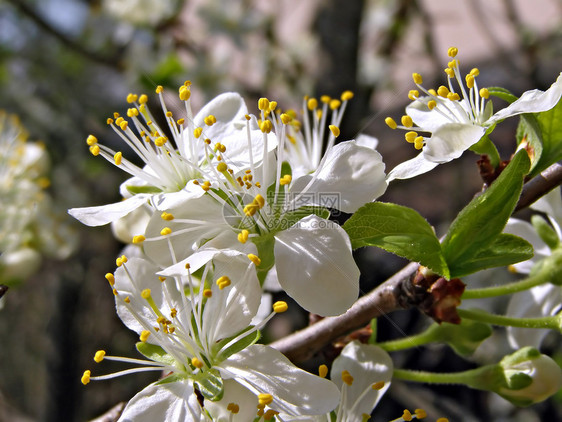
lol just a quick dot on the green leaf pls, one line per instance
(479, 224)
(502, 93)
(264, 244)
(545, 231)
(506, 249)
(155, 353)
(399, 230)
(550, 124)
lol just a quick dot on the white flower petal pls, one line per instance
(551, 204)
(367, 141)
(527, 231)
(104, 214)
(237, 394)
(367, 364)
(533, 101)
(540, 301)
(315, 266)
(411, 168)
(423, 117)
(174, 401)
(352, 173)
(231, 309)
(138, 275)
(263, 369)
(228, 108)
(449, 141)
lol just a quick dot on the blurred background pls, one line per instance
(67, 65)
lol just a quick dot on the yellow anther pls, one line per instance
(322, 371)
(86, 377)
(115, 292)
(431, 104)
(187, 265)
(269, 414)
(453, 96)
(418, 143)
(255, 259)
(223, 282)
(484, 93)
(123, 125)
(279, 307)
(450, 72)
(210, 120)
(390, 123)
(233, 408)
(432, 92)
(118, 157)
(160, 141)
(413, 94)
(116, 116)
(411, 136)
(159, 89)
(247, 116)
(127, 300)
(263, 104)
(146, 294)
(165, 231)
(207, 141)
(264, 399)
(243, 236)
(207, 293)
(378, 385)
(346, 377)
(325, 99)
(346, 95)
(220, 147)
(286, 119)
(407, 121)
(121, 260)
(196, 362)
(259, 200)
(162, 279)
(469, 81)
(166, 216)
(95, 150)
(110, 278)
(266, 126)
(197, 132)
(181, 121)
(418, 80)
(132, 112)
(443, 91)
(285, 180)
(312, 103)
(131, 98)
(109, 121)
(91, 140)
(272, 105)
(335, 130)
(144, 335)
(184, 93)
(420, 413)
(206, 186)
(407, 416)
(143, 99)
(442, 420)
(334, 104)
(475, 72)
(319, 114)
(138, 239)
(100, 354)
(453, 63)
(222, 167)
(452, 51)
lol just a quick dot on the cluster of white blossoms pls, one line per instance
(29, 225)
(223, 205)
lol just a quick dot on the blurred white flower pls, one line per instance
(141, 12)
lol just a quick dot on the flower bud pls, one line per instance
(529, 377)
(464, 338)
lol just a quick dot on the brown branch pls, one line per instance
(390, 295)
(112, 415)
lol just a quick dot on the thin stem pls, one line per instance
(407, 342)
(551, 322)
(464, 377)
(506, 289)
